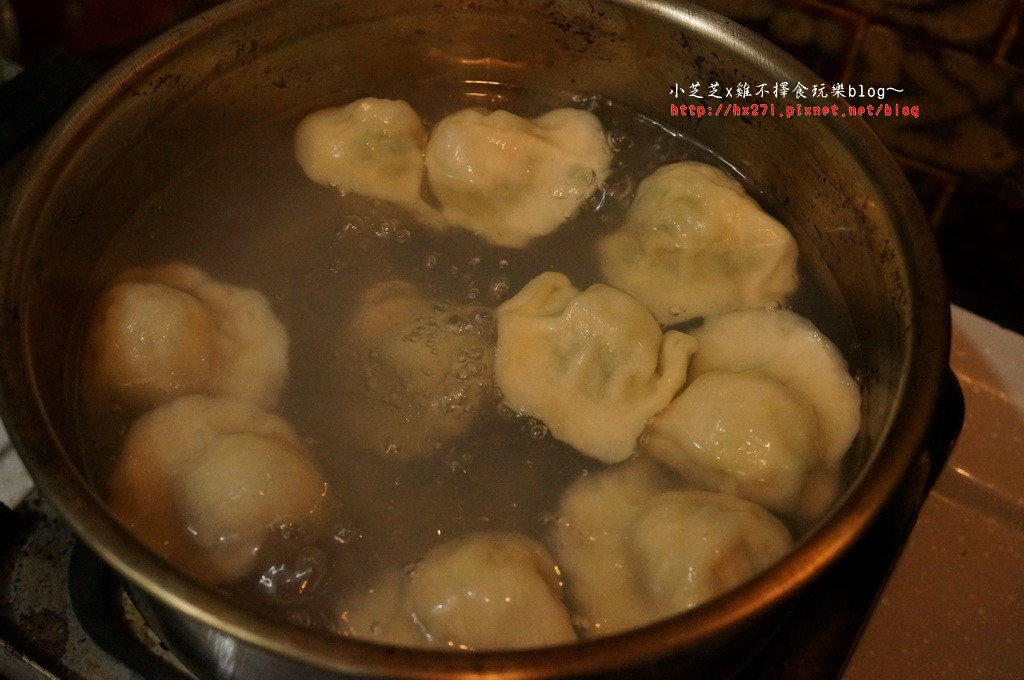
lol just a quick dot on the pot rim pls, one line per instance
(60, 481)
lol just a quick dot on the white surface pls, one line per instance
(15, 483)
(954, 605)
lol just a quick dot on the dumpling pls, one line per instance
(791, 349)
(421, 368)
(769, 414)
(203, 480)
(634, 551)
(163, 331)
(695, 244)
(592, 365)
(741, 433)
(510, 179)
(373, 147)
(489, 590)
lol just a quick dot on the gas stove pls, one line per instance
(64, 615)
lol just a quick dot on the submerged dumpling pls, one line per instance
(203, 480)
(421, 369)
(695, 244)
(769, 414)
(163, 331)
(510, 179)
(372, 147)
(633, 551)
(489, 590)
(592, 365)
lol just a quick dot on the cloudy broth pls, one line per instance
(247, 215)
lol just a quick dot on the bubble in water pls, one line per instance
(289, 530)
(503, 264)
(386, 228)
(579, 185)
(293, 580)
(344, 534)
(376, 628)
(451, 402)
(538, 432)
(506, 412)
(353, 224)
(619, 187)
(619, 140)
(402, 235)
(392, 449)
(458, 325)
(430, 260)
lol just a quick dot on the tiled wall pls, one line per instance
(962, 63)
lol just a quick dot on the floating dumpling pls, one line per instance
(482, 591)
(372, 147)
(510, 179)
(164, 331)
(633, 551)
(594, 366)
(769, 414)
(203, 481)
(695, 244)
(421, 368)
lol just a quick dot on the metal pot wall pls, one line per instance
(853, 213)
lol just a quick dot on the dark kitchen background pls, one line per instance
(960, 61)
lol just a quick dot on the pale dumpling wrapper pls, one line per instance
(484, 591)
(789, 348)
(203, 480)
(420, 370)
(695, 244)
(164, 331)
(634, 550)
(372, 147)
(769, 413)
(511, 179)
(593, 365)
(741, 433)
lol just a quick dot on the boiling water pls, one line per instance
(247, 215)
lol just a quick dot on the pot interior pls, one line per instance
(195, 130)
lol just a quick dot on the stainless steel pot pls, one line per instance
(252, 60)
